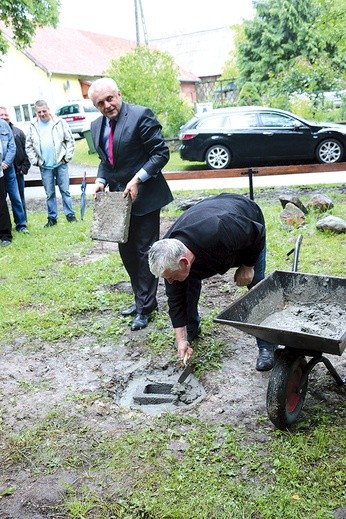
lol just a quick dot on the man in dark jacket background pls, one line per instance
(209, 238)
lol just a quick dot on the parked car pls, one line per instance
(239, 136)
(78, 114)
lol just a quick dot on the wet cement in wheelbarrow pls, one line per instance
(322, 319)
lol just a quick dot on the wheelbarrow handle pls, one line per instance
(296, 253)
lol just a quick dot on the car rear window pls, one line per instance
(243, 120)
(68, 110)
(90, 108)
(211, 123)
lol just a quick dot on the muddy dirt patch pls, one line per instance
(89, 382)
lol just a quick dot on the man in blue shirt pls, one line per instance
(50, 146)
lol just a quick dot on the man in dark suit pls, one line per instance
(209, 238)
(132, 152)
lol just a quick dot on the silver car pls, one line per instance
(78, 114)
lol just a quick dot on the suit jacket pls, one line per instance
(138, 143)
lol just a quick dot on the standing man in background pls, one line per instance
(11, 186)
(132, 151)
(50, 146)
(21, 160)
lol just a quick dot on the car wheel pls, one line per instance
(329, 151)
(218, 157)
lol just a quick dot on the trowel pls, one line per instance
(187, 364)
(185, 373)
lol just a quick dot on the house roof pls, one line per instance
(203, 53)
(77, 52)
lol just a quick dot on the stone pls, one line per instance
(285, 199)
(111, 217)
(332, 223)
(292, 215)
(320, 203)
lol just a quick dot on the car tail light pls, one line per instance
(74, 118)
(186, 136)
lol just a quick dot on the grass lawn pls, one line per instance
(53, 296)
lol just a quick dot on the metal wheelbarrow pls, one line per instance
(305, 315)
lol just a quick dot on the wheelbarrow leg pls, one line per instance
(340, 381)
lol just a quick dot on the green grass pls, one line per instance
(217, 475)
(51, 292)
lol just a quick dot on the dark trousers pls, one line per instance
(5, 221)
(143, 232)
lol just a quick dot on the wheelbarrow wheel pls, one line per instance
(284, 398)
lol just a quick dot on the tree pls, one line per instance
(23, 17)
(289, 45)
(249, 95)
(150, 78)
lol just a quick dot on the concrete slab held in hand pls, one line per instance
(111, 217)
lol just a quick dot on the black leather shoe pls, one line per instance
(129, 311)
(265, 360)
(191, 336)
(140, 321)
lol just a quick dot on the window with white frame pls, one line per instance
(24, 113)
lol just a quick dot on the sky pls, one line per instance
(162, 18)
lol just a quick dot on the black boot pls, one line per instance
(265, 360)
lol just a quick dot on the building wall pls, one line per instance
(22, 83)
(188, 92)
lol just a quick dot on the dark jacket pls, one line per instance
(21, 161)
(138, 143)
(223, 232)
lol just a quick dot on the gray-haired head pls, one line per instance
(41, 102)
(100, 84)
(164, 256)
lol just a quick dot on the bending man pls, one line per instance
(216, 234)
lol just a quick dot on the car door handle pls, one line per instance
(268, 133)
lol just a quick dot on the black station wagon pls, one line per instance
(241, 136)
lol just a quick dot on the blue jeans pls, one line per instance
(260, 268)
(16, 202)
(60, 176)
